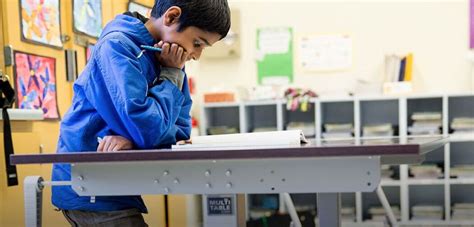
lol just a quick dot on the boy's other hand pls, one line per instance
(171, 55)
(182, 142)
(114, 143)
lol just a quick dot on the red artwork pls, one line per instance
(35, 82)
(89, 51)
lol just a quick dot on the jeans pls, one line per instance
(130, 217)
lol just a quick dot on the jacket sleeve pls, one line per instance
(183, 123)
(120, 94)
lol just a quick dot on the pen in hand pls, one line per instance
(150, 48)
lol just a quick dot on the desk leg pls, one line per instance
(387, 207)
(291, 210)
(329, 205)
(33, 191)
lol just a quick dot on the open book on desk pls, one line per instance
(256, 139)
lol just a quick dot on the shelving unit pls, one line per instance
(402, 190)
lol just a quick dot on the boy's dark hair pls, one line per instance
(208, 15)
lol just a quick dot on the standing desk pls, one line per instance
(327, 168)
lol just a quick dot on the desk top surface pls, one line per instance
(387, 147)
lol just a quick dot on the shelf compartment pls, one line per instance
(219, 119)
(424, 105)
(337, 113)
(375, 112)
(426, 195)
(261, 118)
(372, 200)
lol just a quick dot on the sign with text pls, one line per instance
(219, 206)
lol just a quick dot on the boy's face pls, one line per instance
(192, 39)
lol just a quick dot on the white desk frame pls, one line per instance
(326, 176)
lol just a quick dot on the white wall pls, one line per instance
(435, 31)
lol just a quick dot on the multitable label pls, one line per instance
(219, 206)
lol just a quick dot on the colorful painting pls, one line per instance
(88, 17)
(35, 82)
(89, 51)
(40, 22)
(141, 9)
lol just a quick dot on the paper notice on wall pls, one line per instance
(274, 40)
(325, 52)
(275, 55)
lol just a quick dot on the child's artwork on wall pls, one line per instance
(40, 22)
(141, 9)
(35, 80)
(88, 17)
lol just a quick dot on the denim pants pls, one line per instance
(130, 217)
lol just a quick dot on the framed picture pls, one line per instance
(35, 82)
(88, 17)
(40, 22)
(89, 49)
(141, 9)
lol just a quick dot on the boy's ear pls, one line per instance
(172, 15)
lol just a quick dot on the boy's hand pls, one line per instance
(182, 142)
(114, 143)
(171, 55)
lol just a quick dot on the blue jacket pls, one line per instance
(117, 94)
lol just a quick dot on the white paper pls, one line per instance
(276, 80)
(274, 40)
(255, 139)
(325, 52)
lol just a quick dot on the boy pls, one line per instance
(134, 99)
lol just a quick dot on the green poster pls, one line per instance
(275, 55)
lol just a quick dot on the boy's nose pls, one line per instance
(196, 55)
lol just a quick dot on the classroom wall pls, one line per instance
(436, 31)
(28, 136)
